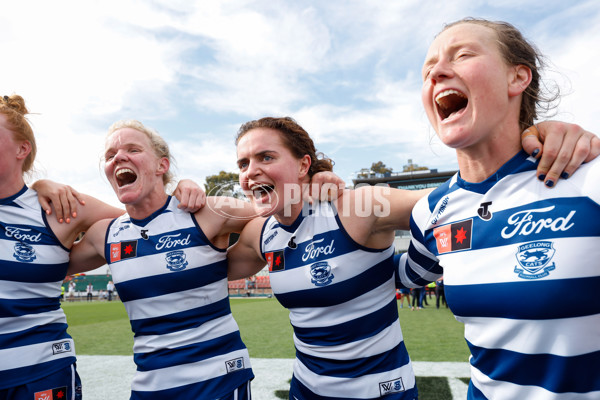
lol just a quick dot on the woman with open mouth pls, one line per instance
(330, 263)
(170, 270)
(503, 242)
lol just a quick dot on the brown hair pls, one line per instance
(13, 107)
(295, 138)
(516, 50)
(158, 144)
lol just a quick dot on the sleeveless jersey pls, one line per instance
(173, 283)
(343, 310)
(33, 264)
(520, 266)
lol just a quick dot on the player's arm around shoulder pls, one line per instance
(88, 253)
(92, 211)
(371, 214)
(244, 257)
(223, 215)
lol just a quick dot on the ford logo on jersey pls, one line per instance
(321, 273)
(176, 260)
(24, 252)
(534, 257)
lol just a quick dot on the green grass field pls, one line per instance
(102, 328)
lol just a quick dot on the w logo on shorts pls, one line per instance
(235, 364)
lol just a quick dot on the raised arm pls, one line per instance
(244, 258)
(88, 253)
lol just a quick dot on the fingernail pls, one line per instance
(60, 221)
(535, 153)
(74, 215)
(549, 183)
(541, 177)
(564, 175)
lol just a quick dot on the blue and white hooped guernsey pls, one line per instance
(521, 270)
(342, 304)
(33, 264)
(173, 283)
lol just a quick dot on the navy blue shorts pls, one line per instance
(64, 384)
(241, 393)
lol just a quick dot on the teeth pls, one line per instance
(124, 171)
(447, 93)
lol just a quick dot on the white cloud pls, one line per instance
(348, 71)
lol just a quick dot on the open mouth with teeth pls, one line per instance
(450, 102)
(125, 176)
(262, 190)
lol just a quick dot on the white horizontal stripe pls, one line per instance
(23, 356)
(385, 340)
(15, 290)
(563, 337)
(344, 267)
(305, 317)
(156, 264)
(467, 265)
(366, 386)
(48, 254)
(500, 390)
(176, 302)
(17, 324)
(185, 374)
(208, 331)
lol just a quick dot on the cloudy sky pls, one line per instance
(347, 71)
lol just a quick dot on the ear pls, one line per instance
(304, 165)
(163, 166)
(23, 150)
(518, 80)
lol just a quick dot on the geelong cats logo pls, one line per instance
(535, 258)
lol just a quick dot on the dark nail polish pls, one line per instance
(542, 177)
(564, 175)
(549, 183)
(535, 153)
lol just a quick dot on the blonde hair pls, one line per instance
(159, 145)
(13, 107)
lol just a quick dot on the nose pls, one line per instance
(440, 70)
(253, 169)
(121, 155)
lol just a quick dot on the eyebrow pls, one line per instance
(260, 153)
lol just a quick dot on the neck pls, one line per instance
(479, 162)
(11, 186)
(147, 206)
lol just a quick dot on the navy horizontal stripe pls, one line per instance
(215, 388)
(299, 391)
(535, 299)
(498, 232)
(386, 361)
(37, 334)
(189, 354)
(27, 234)
(357, 329)
(577, 374)
(423, 261)
(18, 376)
(16, 271)
(19, 307)
(337, 293)
(182, 320)
(172, 281)
(151, 246)
(338, 240)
